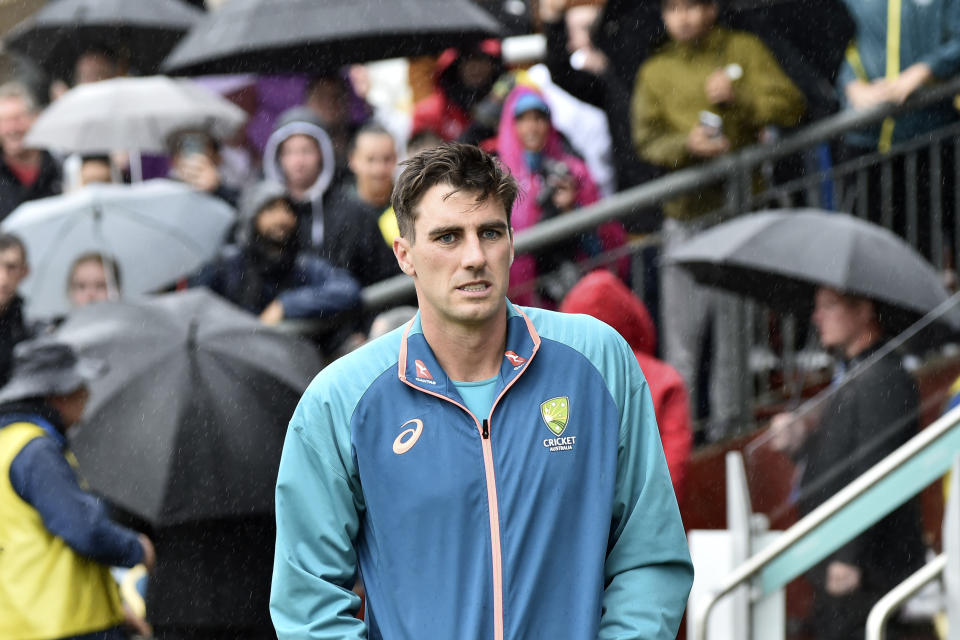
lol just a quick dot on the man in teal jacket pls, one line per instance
(490, 471)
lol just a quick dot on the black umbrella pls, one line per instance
(189, 422)
(142, 31)
(318, 36)
(780, 257)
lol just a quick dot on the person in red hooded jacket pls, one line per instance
(464, 78)
(603, 296)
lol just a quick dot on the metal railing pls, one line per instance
(736, 170)
(896, 478)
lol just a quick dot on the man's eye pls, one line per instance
(446, 238)
(491, 234)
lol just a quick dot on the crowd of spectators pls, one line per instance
(629, 90)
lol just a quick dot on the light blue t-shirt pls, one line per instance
(478, 396)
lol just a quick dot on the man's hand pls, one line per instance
(273, 314)
(909, 80)
(564, 194)
(788, 431)
(199, 171)
(702, 143)
(864, 95)
(842, 578)
(135, 623)
(552, 10)
(719, 88)
(149, 553)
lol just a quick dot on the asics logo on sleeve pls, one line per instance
(408, 437)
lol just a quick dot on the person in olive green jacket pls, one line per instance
(707, 91)
(704, 67)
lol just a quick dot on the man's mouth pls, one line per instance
(474, 287)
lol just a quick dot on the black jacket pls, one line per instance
(866, 418)
(12, 331)
(12, 192)
(352, 239)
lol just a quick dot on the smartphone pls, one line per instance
(713, 122)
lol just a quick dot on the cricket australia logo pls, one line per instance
(556, 414)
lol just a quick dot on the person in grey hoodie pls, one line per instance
(299, 155)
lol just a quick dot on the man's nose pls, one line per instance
(473, 255)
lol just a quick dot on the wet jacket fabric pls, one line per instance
(551, 517)
(603, 296)
(669, 96)
(49, 182)
(13, 330)
(929, 33)
(865, 419)
(56, 540)
(251, 277)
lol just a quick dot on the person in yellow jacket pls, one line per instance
(708, 91)
(57, 542)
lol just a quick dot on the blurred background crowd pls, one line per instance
(249, 147)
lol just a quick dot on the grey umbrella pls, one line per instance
(780, 257)
(142, 30)
(189, 421)
(318, 36)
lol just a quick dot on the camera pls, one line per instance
(554, 173)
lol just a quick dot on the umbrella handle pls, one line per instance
(136, 166)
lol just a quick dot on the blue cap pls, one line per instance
(530, 102)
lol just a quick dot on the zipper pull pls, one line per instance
(486, 430)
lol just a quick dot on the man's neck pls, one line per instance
(24, 157)
(371, 197)
(467, 355)
(862, 342)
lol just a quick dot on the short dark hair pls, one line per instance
(462, 166)
(10, 241)
(373, 128)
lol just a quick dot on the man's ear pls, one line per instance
(401, 249)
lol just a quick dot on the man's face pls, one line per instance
(300, 161)
(686, 20)
(329, 100)
(94, 67)
(88, 284)
(93, 171)
(372, 162)
(840, 321)
(532, 128)
(276, 222)
(460, 258)
(15, 121)
(13, 269)
(475, 70)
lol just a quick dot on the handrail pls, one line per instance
(650, 193)
(919, 444)
(881, 611)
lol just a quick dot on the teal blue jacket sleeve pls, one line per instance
(318, 517)
(648, 571)
(944, 60)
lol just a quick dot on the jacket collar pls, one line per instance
(419, 368)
